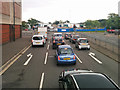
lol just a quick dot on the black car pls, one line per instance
(67, 35)
(83, 79)
(57, 41)
(74, 38)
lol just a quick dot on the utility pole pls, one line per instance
(13, 20)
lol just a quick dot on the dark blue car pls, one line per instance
(65, 55)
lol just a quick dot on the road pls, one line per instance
(41, 70)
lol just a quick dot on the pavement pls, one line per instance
(38, 74)
(12, 48)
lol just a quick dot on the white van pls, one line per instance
(42, 31)
(38, 40)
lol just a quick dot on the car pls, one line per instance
(74, 38)
(82, 43)
(57, 34)
(38, 40)
(67, 35)
(65, 55)
(117, 32)
(57, 41)
(76, 79)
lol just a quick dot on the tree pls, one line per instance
(24, 24)
(56, 22)
(113, 21)
(33, 22)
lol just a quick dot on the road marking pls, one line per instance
(14, 60)
(11, 59)
(92, 55)
(41, 82)
(46, 58)
(78, 58)
(49, 42)
(9, 65)
(30, 56)
(48, 47)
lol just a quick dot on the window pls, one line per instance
(69, 82)
(37, 38)
(66, 51)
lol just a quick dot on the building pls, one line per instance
(10, 21)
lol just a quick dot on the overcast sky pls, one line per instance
(75, 11)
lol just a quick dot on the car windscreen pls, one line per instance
(83, 41)
(37, 38)
(93, 81)
(66, 51)
(60, 35)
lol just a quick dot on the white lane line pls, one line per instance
(48, 47)
(78, 58)
(30, 56)
(41, 82)
(46, 58)
(92, 55)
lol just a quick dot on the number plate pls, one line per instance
(38, 42)
(84, 44)
(59, 44)
(66, 58)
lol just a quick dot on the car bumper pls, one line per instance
(86, 46)
(37, 44)
(66, 61)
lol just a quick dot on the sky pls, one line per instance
(75, 11)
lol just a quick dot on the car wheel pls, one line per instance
(58, 64)
(74, 63)
(43, 44)
(88, 48)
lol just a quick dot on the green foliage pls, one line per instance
(33, 22)
(24, 25)
(112, 22)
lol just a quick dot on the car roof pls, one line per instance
(67, 33)
(82, 38)
(38, 35)
(64, 46)
(92, 80)
(57, 33)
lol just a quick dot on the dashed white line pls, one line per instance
(78, 58)
(46, 58)
(48, 47)
(41, 82)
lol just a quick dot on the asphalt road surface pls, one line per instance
(39, 69)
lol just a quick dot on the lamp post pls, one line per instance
(13, 20)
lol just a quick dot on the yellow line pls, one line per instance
(13, 61)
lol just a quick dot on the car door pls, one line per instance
(69, 83)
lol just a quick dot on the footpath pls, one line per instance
(12, 48)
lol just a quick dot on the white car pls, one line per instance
(82, 43)
(38, 40)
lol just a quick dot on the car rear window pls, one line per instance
(66, 51)
(37, 38)
(93, 81)
(75, 37)
(83, 41)
(58, 35)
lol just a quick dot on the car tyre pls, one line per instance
(43, 44)
(74, 63)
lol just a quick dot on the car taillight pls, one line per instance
(53, 37)
(54, 41)
(32, 41)
(66, 35)
(58, 58)
(73, 39)
(74, 57)
(43, 40)
(62, 37)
